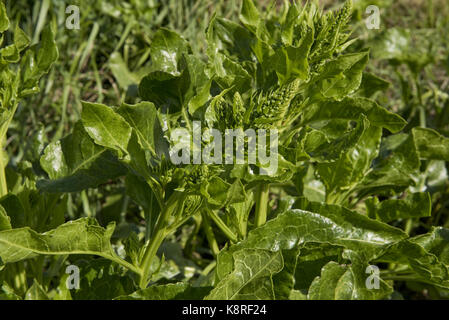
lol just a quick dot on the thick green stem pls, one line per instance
(123, 263)
(261, 205)
(150, 253)
(3, 185)
(160, 232)
(408, 226)
(223, 227)
(421, 108)
(210, 234)
(3, 132)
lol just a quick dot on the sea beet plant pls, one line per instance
(347, 187)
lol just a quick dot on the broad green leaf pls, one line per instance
(393, 44)
(342, 76)
(313, 257)
(15, 210)
(4, 21)
(371, 84)
(415, 205)
(166, 50)
(7, 293)
(36, 292)
(21, 40)
(317, 223)
(228, 37)
(350, 109)
(10, 54)
(430, 144)
(312, 188)
(198, 87)
(249, 15)
(297, 295)
(435, 242)
(76, 163)
(101, 280)
(343, 282)
(164, 90)
(138, 159)
(143, 118)
(396, 168)
(285, 280)
(322, 149)
(48, 51)
(251, 277)
(106, 127)
(5, 221)
(291, 21)
(425, 264)
(436, 175)
(37, 60)
(173, 291)
(228, 73)
(239, 213)
(221, 193)
(352, 165)
(83, 236)
(291, 62)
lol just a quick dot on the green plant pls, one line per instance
(21, 68)
(347, 189)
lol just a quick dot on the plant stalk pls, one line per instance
(210, 234)
(261, 205)
(223, 227)
(160, 232)
(3, 185)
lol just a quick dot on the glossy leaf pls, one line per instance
(167, 49)
(351, 109)
(106, 127)
(317, 223)
(251, 277)
(174, 291)
(415, 205)
(83, 236)
(342, 282)
(76, 163)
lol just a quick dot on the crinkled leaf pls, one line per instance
(318, 223)
(251, 278)
(415, 205)
(173, 291)
(83, 236)
(343, 282)
(351, 109)
(430, 144)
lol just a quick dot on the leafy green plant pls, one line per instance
(21, 69)
(348, 187)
